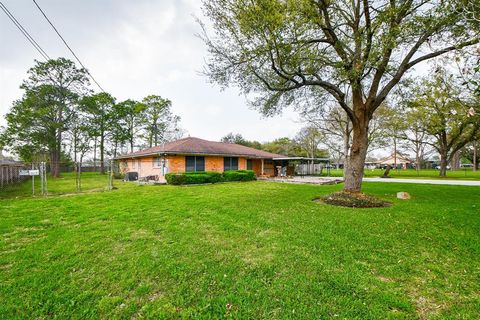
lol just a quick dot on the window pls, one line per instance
(136, 164)
(194, 163)
(249, 164)
(230, 163)
(157, 162)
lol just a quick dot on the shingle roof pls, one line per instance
(196, 146)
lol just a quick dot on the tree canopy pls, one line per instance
(289, 52)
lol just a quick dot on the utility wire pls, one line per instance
(66, 44)
(25, 32)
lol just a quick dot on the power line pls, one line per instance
(66, 44)
(24, 32)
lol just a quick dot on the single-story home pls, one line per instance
(397, 159)
(194, 154)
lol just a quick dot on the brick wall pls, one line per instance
(177, 164)
(214, 164)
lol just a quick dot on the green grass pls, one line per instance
(463, 174)
(254, 250)
(65, 184)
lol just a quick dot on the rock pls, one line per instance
(403, 195)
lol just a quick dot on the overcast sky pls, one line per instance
(134, 49)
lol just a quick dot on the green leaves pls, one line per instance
(35, 123)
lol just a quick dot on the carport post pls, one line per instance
(262, 168)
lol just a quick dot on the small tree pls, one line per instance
(447, 114)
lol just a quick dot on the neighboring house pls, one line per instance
(397, 159)
(194, 154)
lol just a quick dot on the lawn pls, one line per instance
(255, 250)
(65, 184)
(463, 174)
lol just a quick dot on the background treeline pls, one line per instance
(308, 142)
(59, 119)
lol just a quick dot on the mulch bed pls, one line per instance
(353, 200)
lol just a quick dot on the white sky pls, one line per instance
(134, 49)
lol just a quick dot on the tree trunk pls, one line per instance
(95, 155)
(115, 149)
(417, 157)
(455, 163)
(475, 162)
(55, 163)
(395, 153)
(356, 161)
(443, 163)
(346, 144)
(102, 151)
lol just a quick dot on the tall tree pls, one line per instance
(79, 136)
(392, 127)
(282, 145)
(416, 139)
(447, 113)
(159, 121)
(283, 52)
(239, 139)
(309, 139)
(37, 122)
(99, 113)
(128, 121)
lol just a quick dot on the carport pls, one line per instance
(301, 166)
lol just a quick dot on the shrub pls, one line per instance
(209, 177)
(239, 175)
(193, 178)
(175, 178)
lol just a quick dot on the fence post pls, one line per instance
(110, 177)
(41, 179)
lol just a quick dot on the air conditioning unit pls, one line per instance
(131, 176)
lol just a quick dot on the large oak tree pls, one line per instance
(355, 51)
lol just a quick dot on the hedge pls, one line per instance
(209, 177)
(239, 175)
(193, 178)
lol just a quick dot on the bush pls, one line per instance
(193, 178)
(209, 177)
(239, 175)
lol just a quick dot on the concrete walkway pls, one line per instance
(335, 180)
(426, 181)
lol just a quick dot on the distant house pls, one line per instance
(194, 155)
(397, 159)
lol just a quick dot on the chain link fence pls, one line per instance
(18, 179)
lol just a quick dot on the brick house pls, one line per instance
(194, 154)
